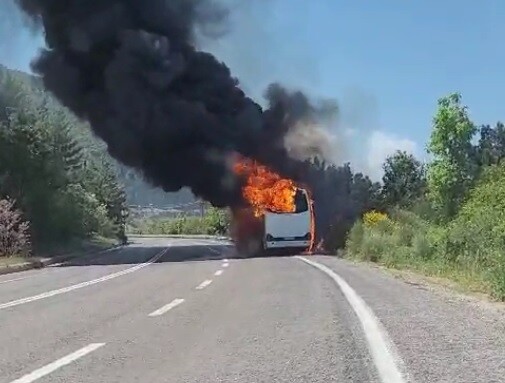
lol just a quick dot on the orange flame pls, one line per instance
(265, 190)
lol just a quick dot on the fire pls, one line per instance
(265, 190)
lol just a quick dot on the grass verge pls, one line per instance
(404, 241)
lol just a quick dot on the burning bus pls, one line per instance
(279, 218)
(289, 231)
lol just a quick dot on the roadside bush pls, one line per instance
(476, 237)
(89, 216)
(399, 239)
(215, 222)
(472, 244)
(376, 244)
(355, 239)
(373, 218)
(422, 248)
(497, 278)
(14, 239)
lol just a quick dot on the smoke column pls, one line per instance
(130, 68)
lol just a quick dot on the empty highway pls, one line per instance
(188, 310)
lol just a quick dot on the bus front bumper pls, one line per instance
(287, 244)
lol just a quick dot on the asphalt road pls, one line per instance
(172, 310)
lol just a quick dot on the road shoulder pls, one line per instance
(428, 326)
(41, 262)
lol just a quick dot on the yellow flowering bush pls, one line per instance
(373, 217)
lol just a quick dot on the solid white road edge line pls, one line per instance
(381, 347)
(218, 273)
(67, 289)
(166, 308)
(204, 284)
(48, 369)
(98, 255)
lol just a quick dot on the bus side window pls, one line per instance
(301, 202)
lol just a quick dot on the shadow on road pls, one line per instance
(136, 254)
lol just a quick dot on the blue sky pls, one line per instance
(386, 62)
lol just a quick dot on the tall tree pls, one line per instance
(491, 147)
(452, 171)
(365, 194)
(404, 180)
(101, 180)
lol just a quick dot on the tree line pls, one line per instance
(445, 217)
(53, 172)
(457, 163)
(440, 185)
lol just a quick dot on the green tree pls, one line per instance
(13, 94)
(63, 139)
(31, 171)
(365, 194)
(404, 180)
(491, 147)
(452, 171)
(102, 181)
(58, 174)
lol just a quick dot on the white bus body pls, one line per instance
(289, 231)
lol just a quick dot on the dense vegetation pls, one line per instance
(448, 218)
(56, 178)
(52, 173)
(213, 222)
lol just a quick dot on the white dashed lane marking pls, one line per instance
(50, 368)
(204, 284)
(166, 308)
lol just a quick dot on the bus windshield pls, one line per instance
(301, 203)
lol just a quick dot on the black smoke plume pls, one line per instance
(130, 68)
